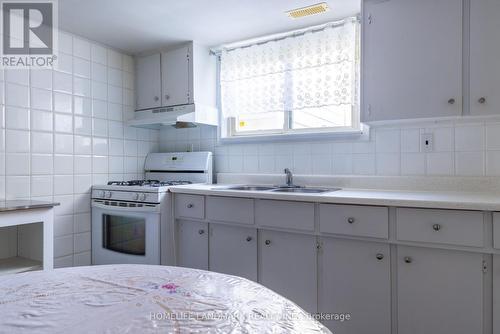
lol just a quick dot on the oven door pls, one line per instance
(122, 234)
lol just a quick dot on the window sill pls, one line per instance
(362, 134)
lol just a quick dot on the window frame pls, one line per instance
(227, 129)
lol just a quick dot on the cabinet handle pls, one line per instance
(451, 101)
(190, 205)
(380, 256)
(408, 259)
(351, 220)
(267, 242)
(482, 100)
(200, 232)
(436, 227)
(167, 97)
(156, 98)
(249, 239)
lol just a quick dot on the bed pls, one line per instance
(144, 299)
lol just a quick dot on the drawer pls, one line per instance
(283, 214)
(189, 206)
(230, 209)
(496, 230)
(362, 221)
(464, 228)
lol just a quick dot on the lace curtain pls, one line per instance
(312, 70)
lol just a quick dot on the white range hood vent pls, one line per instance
(188, 115)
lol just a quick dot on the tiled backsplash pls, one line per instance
(63, 131)
(462, 148)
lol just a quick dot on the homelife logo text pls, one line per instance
(29, 33)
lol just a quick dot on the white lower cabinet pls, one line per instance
(192, 245)
(384, 289)
(439, 291)
(355, 279)
(233, 250)
(288, 265)
(496, 294)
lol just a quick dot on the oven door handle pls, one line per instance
(124, 208)
(105, 233)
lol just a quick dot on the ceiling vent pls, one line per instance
(307, 11)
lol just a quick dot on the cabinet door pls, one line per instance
(288, 266)
(496, 294)
(355, 279)
(192, 245)
(484, 55)
(439, 291)
(148, 76)
(175, 76)
(412, 59)
(233, 250)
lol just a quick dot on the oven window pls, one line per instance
(124, 234)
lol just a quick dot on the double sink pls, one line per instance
(280, 189)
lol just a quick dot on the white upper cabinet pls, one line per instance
(412, 62)
(148, 76)
(484, 56)
(175, 76)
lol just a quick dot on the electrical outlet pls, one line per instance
(427, 142)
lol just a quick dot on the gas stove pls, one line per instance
(162, 170)
(131, 220)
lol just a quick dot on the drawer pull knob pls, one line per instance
(190, 205)
(436, 227)
(249, 239)
(380, 256)
(267, 242)
(408, 259)
(200, 232)
(451, 101)
(482, 100)
(351, 220)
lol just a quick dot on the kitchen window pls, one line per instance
(305, 82)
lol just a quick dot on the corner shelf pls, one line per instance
(14, 265)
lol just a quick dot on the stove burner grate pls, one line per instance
(150, 183)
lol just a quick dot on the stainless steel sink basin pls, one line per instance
(250, 188)
(305, 190)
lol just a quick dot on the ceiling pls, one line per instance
(135, 26)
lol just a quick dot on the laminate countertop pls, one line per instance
(16, 205)
(480, 201)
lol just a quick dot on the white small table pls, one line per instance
(21, 213)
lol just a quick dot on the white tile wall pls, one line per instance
(462, 149)
(58, 128)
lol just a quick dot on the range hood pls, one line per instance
(188, 115)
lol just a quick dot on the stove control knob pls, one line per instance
(102, 193)
(143, 197)
(109, 194)
(136, 196)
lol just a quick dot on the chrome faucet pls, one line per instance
(289, 177)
